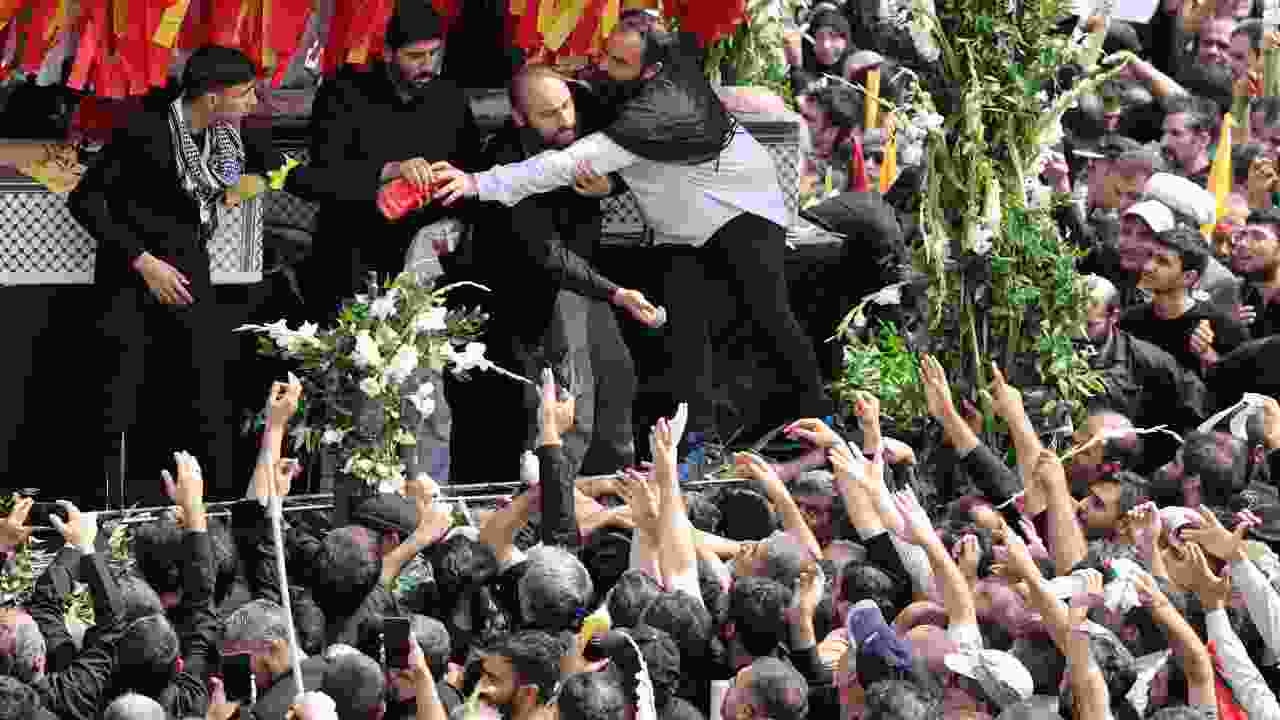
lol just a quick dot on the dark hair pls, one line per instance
(843, 105)
(779, 689)
(18, 700)
(433, 639)
(1220, 460)
(226, 561)
(1242, 157)
(900, 700)
(1268, 107)
(146, 655)
(213, 68)
(632, 594)
(1252, 26)
(1201, 112)
(756, 608)
(863, 581)
(703, 513)
(1040, 655)
(687, 621)
(535, 658)
(1190, 248)
(714, 594)
(460, 563)
(1117, 666)
(356, 684)
(349, 569)
(1210, 83)
(137, 597)
(592, 696)
(662, 656)
(1265, 216)
(308, 620)
(158, 553)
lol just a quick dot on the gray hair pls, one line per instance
(554, 588)
(1102, 290)
(814, 482)
(23, 656)
(433, 639)
(132, 706)
(255, 621)
(779, 690)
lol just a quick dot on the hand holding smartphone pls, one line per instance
(396, 639)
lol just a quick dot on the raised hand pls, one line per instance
(1018, 564)
(916, 527)
(79, 529)
(760, 471)
(813, 431)
(282, 401)
(937, 391)
(13, 529)
(1213, 591)
(557, 413)
(1271, 423)
(1006, 400)
(1216, 539)
(641, 497)
(589, 184)
(638, 306)
(1145, 524)
(968, 555)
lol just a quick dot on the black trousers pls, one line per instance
(495, 418)
(164, 372)
(749, 252)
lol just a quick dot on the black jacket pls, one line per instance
(77, 688)
(1147, 384)
(526, 253)
(359, 123)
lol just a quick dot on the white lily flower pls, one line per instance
(422, 399)
(332, 436)
(366, 354)
(402, 365)
(430, 321)
(299, 435)
(887, 295)
(385, 306)
(471, 358)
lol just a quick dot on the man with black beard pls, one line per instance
(548, 306)
(369, 127)
(710, 192)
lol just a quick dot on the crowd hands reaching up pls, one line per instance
(832, 584)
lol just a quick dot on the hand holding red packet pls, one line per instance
(399, 198)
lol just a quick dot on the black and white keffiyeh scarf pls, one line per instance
(206, 173)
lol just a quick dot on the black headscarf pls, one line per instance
(413, 21)
(676, 117)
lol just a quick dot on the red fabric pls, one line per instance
(227, 22)
(93, 33)
(858, 168)
(527, 36)
(710, 20)
(1227, 707)
(288, 23)
(39, 32)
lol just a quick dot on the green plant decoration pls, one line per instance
(1002, 285)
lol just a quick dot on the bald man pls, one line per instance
(548, 305)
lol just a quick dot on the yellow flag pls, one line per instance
(1220, 173)
(889, 165)
(556, 25)
(170, 23)
(873, 99)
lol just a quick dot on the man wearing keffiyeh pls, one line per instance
(152, 202)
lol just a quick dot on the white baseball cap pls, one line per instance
(1157, 216)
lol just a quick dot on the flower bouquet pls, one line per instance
(367, 380)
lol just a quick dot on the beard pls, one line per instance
(416, 86)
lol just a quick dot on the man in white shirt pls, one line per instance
(710, 192)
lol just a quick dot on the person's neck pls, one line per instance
(1171, 304)
(196, 117)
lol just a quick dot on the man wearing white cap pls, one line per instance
(1193, 331)
(1139, 225)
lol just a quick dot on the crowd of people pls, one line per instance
(1133, 576)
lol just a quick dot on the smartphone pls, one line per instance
(42, 511)
(396, 637)
(237, 678)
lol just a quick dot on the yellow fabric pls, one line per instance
(170, 23)
(873, 99)
(889, 166)
(557, 19)
(119, 15)
(1220, 174)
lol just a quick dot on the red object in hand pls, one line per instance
(399, 198)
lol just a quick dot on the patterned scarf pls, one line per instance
(206, 173)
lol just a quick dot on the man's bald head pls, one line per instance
(541, 99)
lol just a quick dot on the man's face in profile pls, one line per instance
(622, 66)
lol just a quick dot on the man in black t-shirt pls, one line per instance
(1195, 333)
